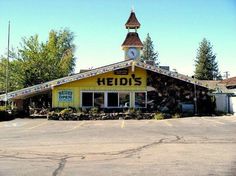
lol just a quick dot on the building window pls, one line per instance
(87, 99)
(99, 99)
(140, 99)
(124, 99)
(112, 99)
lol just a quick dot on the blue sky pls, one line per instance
(175, 26)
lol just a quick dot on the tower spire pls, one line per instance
(132, 8)
(132, 44)
(132, 22)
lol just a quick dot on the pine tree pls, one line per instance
(148, 51)
(206, 66)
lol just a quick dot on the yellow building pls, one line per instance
(119, 85)
(120, 88)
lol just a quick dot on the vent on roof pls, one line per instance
(149, 62)
(165, 67)
(84, 70)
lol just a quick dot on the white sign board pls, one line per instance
(65, 96)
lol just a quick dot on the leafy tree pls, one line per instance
(37, 62)
(59, 50)
(206, 66)
(14, 77)
(47, 61)
(2, 74)
(148, 51)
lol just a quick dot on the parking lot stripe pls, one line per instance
(228, 119)
(77, 126)
(36, 126)
(122, 124)
(167, 123)
(214, 121)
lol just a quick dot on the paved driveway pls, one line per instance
(188, 146)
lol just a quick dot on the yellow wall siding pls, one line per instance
(73, 103)
(90, 84)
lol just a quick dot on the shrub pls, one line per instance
(4, 116)
(2, 108)
(73, 109)
(66, 111)
(176, 116)
(220, 113)
(159, 116)
(53, 116)
(93, 110)
(130, 111)
(79, 110)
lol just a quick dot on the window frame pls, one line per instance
(145, 98)
(105, 98)
(117, 100)
(128, 92)
(81, 102)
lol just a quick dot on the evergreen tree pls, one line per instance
(148, 51)
(206, 66)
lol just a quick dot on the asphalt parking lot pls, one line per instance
(187, 146)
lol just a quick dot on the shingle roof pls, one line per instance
(23, 93)
(132, 22)
(215, 85)
(229, 81)
(132, 39)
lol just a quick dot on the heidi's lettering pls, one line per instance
(119, 81)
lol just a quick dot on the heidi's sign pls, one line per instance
(65, 96)
(123, 81)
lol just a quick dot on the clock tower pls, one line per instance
(132, 45)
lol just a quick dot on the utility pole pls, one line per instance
(226, 74)
(195, 96)
(195, 99)
(7, 64)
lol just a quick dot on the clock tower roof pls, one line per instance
(132, 40)
(132, 22)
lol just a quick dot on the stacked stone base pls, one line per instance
(100, 116)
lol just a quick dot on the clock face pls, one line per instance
(132, 53)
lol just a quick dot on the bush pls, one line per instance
(220, 113)
(93, 110)
(66, 111)
(131, 110)
(53, 116)
(159, 116)
(2, 108)
(176, 116)
(79, 110)
(4, 116)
